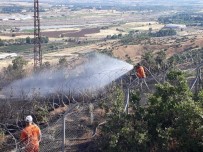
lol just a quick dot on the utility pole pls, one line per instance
(37, 37)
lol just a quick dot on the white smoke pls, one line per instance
(95, 74)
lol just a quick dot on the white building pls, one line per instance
(175, 26)
(7, 55)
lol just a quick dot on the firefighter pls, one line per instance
(31, 135)
(140, 72)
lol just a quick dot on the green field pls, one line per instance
(28, 48)
(17, 48)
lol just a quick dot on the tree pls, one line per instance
(18, 63)
(161, 59)
(46, 65)
(164, 32)
(44, 39)
(172, 121)
(114, 36)
(62, 61)
(148, 60)
(119, 35)
(28, 40)
(16, 70)
(124, 132)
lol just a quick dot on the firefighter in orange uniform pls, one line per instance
(140, 72)
(31, 135)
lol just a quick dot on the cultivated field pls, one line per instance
(91, 27)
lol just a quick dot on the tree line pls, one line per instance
(27, 40)
(134, 37)
(190, 19)
(163, 32)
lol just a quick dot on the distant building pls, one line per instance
(24, 11)
(7, 55)
(175, 26)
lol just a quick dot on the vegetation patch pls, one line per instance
(190, 19)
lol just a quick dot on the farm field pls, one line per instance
(61, 24)
(134, 52)
(98, 25)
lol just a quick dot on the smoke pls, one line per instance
(93, 75)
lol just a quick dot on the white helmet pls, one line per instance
(28, 118)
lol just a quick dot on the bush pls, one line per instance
(16, 69)
(172, 121)
(164, 32)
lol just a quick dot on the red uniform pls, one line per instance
(140, 72)
(30, 137)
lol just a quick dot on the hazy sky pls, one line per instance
(106, 1)
(128, 2)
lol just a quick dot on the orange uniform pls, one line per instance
(140, 72)
(30, 137)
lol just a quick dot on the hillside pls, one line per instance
(86, 95)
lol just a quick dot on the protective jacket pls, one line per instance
(140, 72)
(30, 137)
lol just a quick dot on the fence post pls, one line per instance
(64, 126)
(127, 101)
(91, 109)
(64, 133)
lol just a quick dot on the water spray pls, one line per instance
(96, 73)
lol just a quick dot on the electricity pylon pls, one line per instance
(37, 37)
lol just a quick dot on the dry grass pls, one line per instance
(104, 33)
(133, 51)
(142, 26)
(16, 37)
(145, 28)
(137, 24)
(4, 63)
(53, 58)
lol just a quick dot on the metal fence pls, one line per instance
(74, 130)
(77, 127)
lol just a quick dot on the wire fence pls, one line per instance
(80, 121)
(74, 130)
(78, 125)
